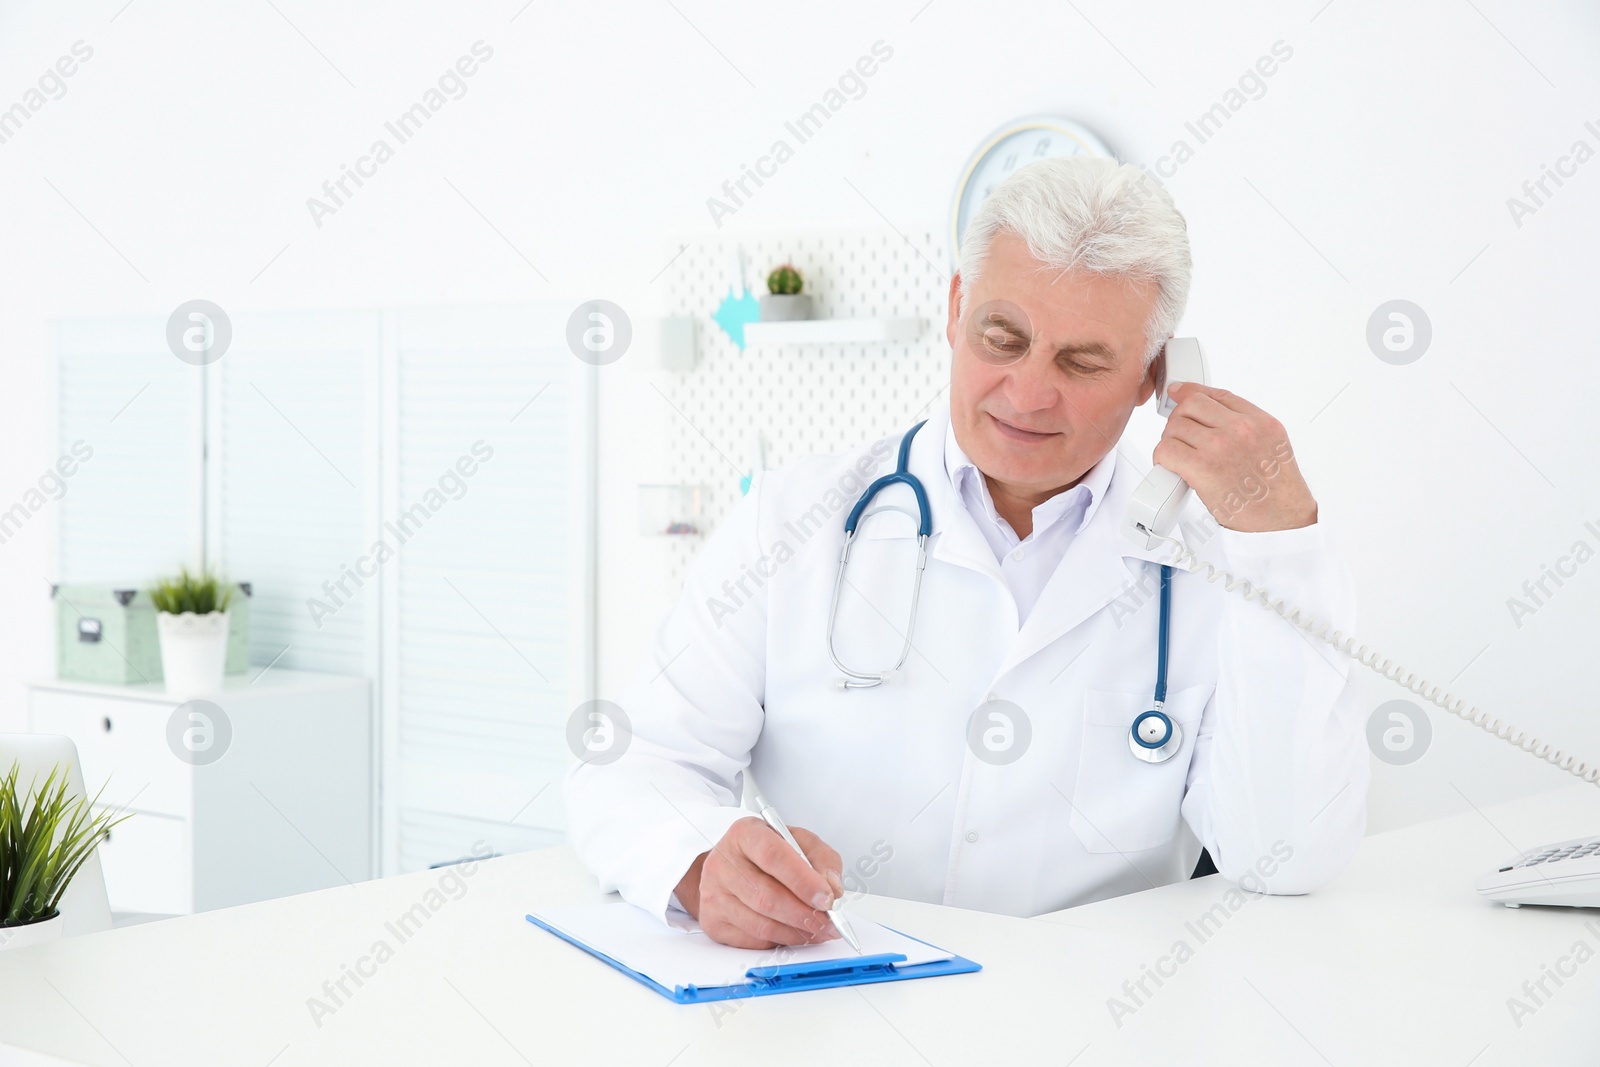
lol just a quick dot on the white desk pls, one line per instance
(1397, 962)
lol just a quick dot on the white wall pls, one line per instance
(1376, 165)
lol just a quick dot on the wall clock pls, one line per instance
(1014, 145)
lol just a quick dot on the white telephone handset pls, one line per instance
(1153, 509)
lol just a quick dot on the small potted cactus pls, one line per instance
(783, 301)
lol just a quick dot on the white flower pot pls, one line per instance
(36, 933)
(194, 650)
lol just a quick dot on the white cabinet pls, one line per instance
(146, 864)
(260, 790)
(123, 747)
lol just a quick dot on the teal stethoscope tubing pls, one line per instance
(1155, 738)
(1157, 748)
(854, 679)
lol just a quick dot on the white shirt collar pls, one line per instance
(1088, 492)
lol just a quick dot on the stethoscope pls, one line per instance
(1154, 738)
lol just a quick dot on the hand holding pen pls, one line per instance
(840, 920)
(757, 889)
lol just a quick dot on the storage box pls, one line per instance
(107, 633)
(238, 630)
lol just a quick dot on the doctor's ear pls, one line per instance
(953, 317)
(1155, 376)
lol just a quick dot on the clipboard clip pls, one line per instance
(823, 972)
(819, 975)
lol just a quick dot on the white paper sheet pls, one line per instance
(636, 939)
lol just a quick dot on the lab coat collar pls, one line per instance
(1101, 565)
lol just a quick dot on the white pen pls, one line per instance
(841, 922)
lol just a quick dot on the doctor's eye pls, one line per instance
(1002, 343)
(999, 333)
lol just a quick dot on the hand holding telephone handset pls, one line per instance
(1154, 509)
(1152, 512)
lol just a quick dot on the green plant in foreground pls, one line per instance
(44, 838)
(201, 594)
(784, 281)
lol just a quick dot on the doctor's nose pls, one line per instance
(1032, 384)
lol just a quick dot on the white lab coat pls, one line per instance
(1271, 776)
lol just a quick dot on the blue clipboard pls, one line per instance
(788, 977)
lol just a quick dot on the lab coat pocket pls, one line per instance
(1120, 803)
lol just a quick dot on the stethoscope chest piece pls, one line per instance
(1155, 738)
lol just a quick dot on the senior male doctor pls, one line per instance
(993, 770)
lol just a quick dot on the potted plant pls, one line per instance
(193, 624)
(45, 837)
(783, 301)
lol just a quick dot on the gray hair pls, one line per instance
(1092, 214)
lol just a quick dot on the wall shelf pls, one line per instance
(832, 332)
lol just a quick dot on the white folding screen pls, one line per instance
(131, 510)
(294, 484)
(493, 493)
(411, 496)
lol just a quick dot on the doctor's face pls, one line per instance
(1046, 367)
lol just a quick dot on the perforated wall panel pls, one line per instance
(804, 399)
